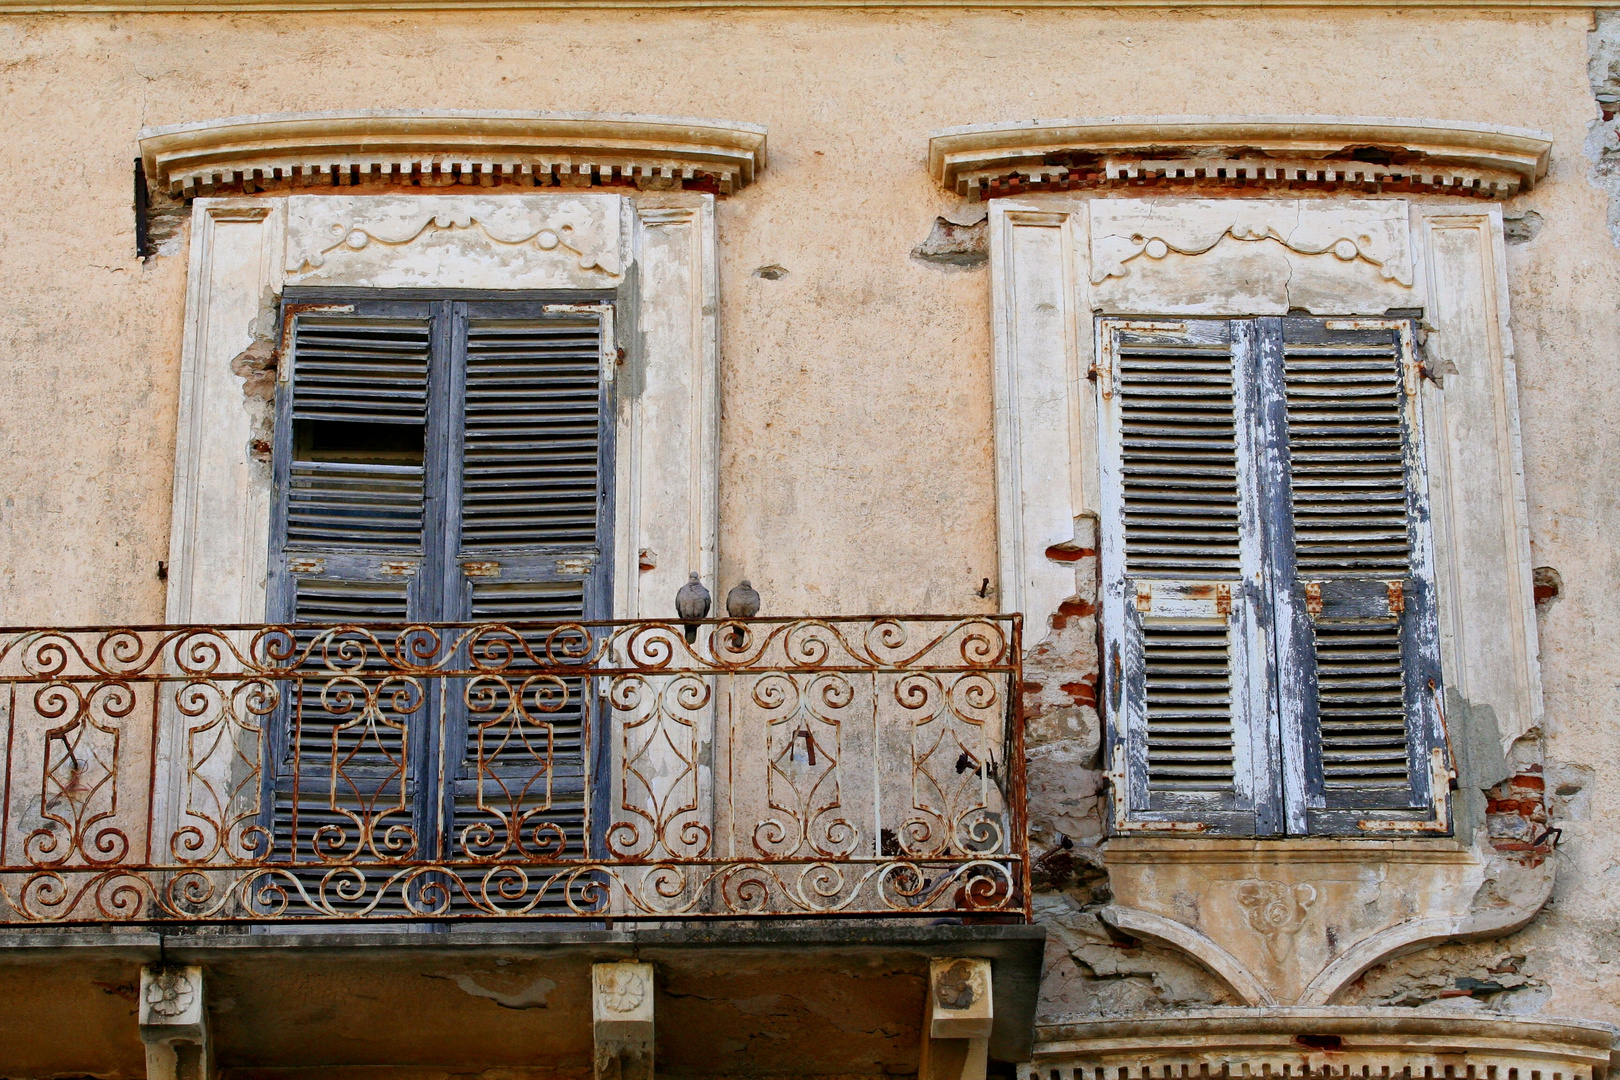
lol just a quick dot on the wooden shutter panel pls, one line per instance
(532, 547)
(1356, 595)
(350, 534)
(1178, 611)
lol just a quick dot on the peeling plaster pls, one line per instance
(511, 991)
(1603, 134)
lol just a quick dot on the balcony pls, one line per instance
(371, 846)
(565, 771)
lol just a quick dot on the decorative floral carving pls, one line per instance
(622, 988)
(170, 993)
(546, 239)
(1276, 910)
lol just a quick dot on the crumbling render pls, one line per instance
(1603, 134)
(962, 243)
(1091, 968)
(1480, 975)
(256, 366)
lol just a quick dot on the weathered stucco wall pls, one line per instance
(857, 468)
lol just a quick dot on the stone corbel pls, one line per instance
(174, 1023)
(957, 1018)
(622, 1020)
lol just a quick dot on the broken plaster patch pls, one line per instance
(1603, 134)
(508, 990)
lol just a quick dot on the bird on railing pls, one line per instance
(692, 602)
(742, 602)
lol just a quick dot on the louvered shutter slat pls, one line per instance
(354, 483)
(533, 413)
(351, 377)
(1178, 462)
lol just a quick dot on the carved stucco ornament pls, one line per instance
(1251, 256)
(169, 993)
(535, 241)
(622, 988)
(1294, 922)
(1276, 910)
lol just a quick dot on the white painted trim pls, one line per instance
(668, 452)
(1489, 648)
(1044, 416)
(219, 537)
(1040, 294)
(669, 411)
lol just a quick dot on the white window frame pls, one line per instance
(1052, 270)
(664, 246)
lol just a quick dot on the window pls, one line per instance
(435, 460)
(1272, 647)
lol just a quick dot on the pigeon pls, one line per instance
(742, 602)
(692, 602)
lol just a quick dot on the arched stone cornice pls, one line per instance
(1241, 152)
(448, 148)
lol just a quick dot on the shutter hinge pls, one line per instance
(306, 566)
(481, 569)
(1313, 598)
(1397, 596)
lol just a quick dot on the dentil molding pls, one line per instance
(447, 148)
(1317, 1042)
(1295, 152)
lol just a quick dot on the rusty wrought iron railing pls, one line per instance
(767, 768)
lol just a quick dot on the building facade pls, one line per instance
(1036, 540)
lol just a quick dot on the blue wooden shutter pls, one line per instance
(1186, 666)
(1357, 621)
(533, 545)
(350, 532)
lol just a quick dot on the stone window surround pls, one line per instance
(1055, 259)
(657, 250)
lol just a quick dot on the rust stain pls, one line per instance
(1313, 598)
(1068, 552)
(1397, 597)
